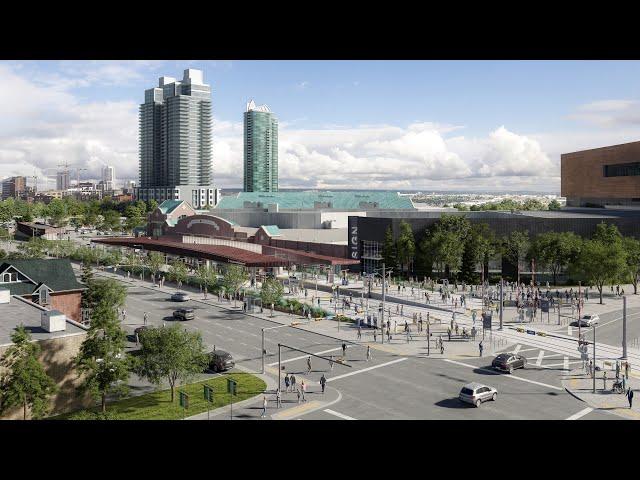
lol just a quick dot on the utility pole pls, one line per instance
(501, 301)
(594, 358)
(263, 351)
(624, 327)
(384, 277)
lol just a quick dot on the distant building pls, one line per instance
(62, 180)
(175, 142)
(602, 177)
(108, 177)
(49, 195)
(260, 149)
(13, 187)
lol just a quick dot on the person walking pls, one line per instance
(368, 353)
(323, 382)
(626, 370)
(278, 398)
(441, 346)
(481, 348)
(286, 382)
(264, 407)
(293, 382)
(344, 349)
(303, 389)
(331, 363)
(359, 333)
(375, 335)
(604, 380)
(308, 365)
(630, 397)
(298, 393)
(145, 318)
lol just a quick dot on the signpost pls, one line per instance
(486, 322)
(208, 396)
(184, 403)
(231, 389)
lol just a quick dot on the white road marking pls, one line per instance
(517, 349)
(528, 350)
(540, 356)
(304, 356)
(341, 415)
(566, 363)
(504, 376)
(561, 364)
(569, 331)
(366, 369)
(580, 414)
(242, 343)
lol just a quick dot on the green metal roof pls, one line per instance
(272, 230)
(307, 200)
(169, 206)
(56, 273)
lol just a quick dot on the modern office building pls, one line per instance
(62, 180)
(260, 149)
(602, 177)
(175, 141)
(13, 187)
(108, 177)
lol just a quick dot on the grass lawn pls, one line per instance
(158, 406)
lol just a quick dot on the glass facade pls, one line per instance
(622, 170)
(260, 151)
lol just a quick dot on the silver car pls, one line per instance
(588, 320)
(476, 393)
(180, 297)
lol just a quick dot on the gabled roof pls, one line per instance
(169, 206)
(271, 230)
(56, 273)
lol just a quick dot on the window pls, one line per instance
(622, 170)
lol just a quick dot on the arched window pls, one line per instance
(6, 278)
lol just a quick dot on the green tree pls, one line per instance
(405, 247)
(34, 248)
(554, 205)
(110, 220)
(234, 278)
(25, 382)
(632, 249)
(389, 250)
(58, 213)
(178, 272)
(271, 292)
(207, 276)
(154, 261)
(151, 205)
(555, 250)
(7, 210)
(515, 248)
(172, 354)
(101, 361)
(599, 262)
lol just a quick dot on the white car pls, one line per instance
(588, 320)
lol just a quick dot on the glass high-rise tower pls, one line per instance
(175, 141)
(260, 149)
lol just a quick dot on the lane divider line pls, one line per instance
(580, 414)
(337, 414)
(366, 369)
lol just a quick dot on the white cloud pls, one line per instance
(608, 113)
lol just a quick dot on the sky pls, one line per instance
(495, 126)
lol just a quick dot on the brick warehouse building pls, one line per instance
(606, 176)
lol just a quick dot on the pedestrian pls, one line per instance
(331, 362)
(298, 393)
(359, 333)
(481, 348)
(323, 382)
(441, 346)
(375, 336)
(604, 380)
(591, 367)
(308, 365)
(264, 407)
(145, 318)
(279, 398)
(630, 397)
(617, 370)
(449, 333)
(303, 389)
(137, 339)
(626, 370)
(456, 329)
(293, 382)
(368, 353)
(344, 349)
(286, 382)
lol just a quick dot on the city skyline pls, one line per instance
(419, 125)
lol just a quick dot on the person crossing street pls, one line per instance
(278, 399)
(481, 348)
(264, 407)
(368, 353)
(323, 382)
(630, 397)
(308, 366)
(286, 382)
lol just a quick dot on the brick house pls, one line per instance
(50, 283)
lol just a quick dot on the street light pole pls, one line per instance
(501, 301)
(263, 351)
(384, 277)
(624, 327)
(594, 358)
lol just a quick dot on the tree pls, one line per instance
(479, 248)
(34, 248)
(554, 205)
(151, 205)
(234, 277)
(207, 276)
(405, 247)
(555, 250)
(271, 292)
(26, 382)
(170, 353)
(516, 247)
(444, 242)
(178, 271)
(389, 250)
(57, 211)
(599, 262)
(154, 261)
(110, 220)
(101, 360)
(632, 249)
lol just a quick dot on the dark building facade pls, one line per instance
(602, 176)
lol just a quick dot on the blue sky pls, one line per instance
(408, 124)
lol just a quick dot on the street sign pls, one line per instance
(184, 400)
(544, 305)
(231, 386)
(208, 393)
(486, 321)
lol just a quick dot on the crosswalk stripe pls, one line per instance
(569, 330)
(304, 356)
(540, 356)
(563, 364)
(580, 414)
(566, 363)
(337, 414)
(366, 369)
(517, 349)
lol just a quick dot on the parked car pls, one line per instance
(476, 393)
(184, 314)
(587, 320)
(180, 297)
(220, 361)
(508, 362)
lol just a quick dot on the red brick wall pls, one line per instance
(68, 303)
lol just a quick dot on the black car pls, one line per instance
(220, 361)
(184, 314)
(508, 362)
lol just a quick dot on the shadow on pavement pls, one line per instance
(453, 403)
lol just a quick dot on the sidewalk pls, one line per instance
(580, 385)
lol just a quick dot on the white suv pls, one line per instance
(588, 320)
